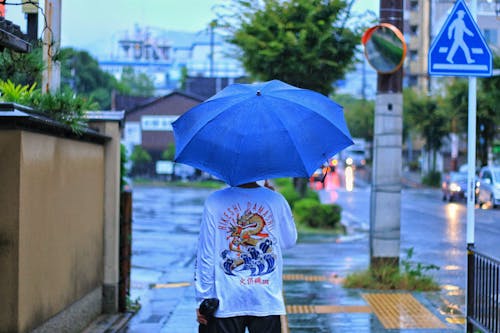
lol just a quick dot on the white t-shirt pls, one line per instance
(239, 260)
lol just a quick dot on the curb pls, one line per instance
(111, 323)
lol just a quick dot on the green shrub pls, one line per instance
(283, 182)
(311, 194)
(312, 213)
(433, 178)
(290, 194)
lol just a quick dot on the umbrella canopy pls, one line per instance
(250, 132)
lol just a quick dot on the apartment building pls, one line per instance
(423, 21)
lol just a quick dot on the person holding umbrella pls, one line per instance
(239, 261)
(246, 133)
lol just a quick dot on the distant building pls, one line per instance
(150, 125)
(163, 55)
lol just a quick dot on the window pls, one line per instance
(157, 123)
(491, 36)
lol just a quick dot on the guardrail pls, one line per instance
(483, 292)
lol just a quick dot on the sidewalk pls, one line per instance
(315, 298)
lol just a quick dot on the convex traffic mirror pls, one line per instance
(385, 47)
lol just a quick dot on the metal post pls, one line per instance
(471, 161)
(470, 288)
(385, 206)
(471, 184)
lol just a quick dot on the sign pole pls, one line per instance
(471, 160)
(471, 190)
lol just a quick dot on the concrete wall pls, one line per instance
(51, 227)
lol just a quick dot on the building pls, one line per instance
(149, 125)
(423, 21)
(166, 56)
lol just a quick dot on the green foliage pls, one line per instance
(428, 118)
(62, 106)
(455, 105)
(133, 305)
(433, 178)
(303, 42)
(282, 182)
(312, 213)
(135, 84)
(22, 68)
(412, 276)
(169, 153)
(290, 194)
(16, 93)
(140, 155)
(123, 162)
(415, 269)
(81, 73)
(140, 159)
(359, 115)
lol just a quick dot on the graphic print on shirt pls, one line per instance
(250, 245)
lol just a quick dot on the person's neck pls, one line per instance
(249, 185)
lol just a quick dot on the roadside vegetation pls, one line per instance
(209, 184)
(410, 276)
(311, 216)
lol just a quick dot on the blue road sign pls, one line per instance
(460, 48)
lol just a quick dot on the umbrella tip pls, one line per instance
(258, 93)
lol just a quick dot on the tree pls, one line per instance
(81, 72)
(22, 68)
(359, 115)
(135, 84)
(488, 115)
(302, 42)
(430, 121)
(169, 153)
(488, 98)
(140, 159)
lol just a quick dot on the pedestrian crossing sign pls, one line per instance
(460, 49)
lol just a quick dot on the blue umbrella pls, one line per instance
(250, 132)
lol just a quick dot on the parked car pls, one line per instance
(489, 186)
(454, 186)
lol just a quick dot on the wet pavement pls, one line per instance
(165, 232)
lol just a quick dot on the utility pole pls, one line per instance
(213, 25)
(51, 76)
(385, 205)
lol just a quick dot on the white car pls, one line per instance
(489, 186)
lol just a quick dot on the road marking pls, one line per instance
(333, 278)
(401, 310)
(323, 309)
(170, 285)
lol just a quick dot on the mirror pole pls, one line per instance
(385, 200)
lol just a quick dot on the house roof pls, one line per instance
(11, 37)
(194, 97)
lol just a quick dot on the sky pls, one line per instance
(88, 22)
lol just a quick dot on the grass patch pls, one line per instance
(210, 184)
(409, 276)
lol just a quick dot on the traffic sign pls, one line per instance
(460, 49)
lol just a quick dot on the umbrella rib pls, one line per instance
(294, 141)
